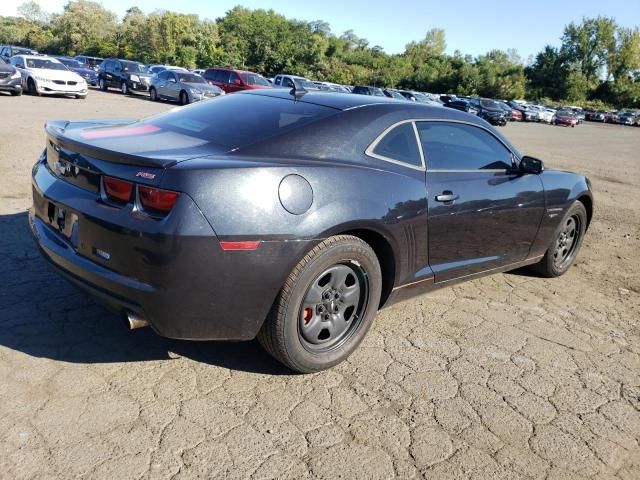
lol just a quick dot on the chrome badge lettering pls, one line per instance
(147, 175)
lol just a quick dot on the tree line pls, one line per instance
(596, 64)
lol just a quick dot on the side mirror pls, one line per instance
(531, 165)
(237, 81)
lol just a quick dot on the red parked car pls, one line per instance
(231, 80)
(566, 117)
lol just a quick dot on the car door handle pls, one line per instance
(447, 196)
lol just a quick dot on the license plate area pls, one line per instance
(63, 221)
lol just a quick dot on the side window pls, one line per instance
(233, 77)
(458, 146)
(278, 80)
(399, 145)
(163, 75)
(221, 76)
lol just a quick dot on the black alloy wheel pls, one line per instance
(566, 242)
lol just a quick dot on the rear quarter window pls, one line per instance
(398, 145)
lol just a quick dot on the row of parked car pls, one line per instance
(24, 69)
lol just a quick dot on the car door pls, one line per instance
(235, 83)
(482, 213)
(116, 73)
(107, 73)
(172, 87)
(161, 84)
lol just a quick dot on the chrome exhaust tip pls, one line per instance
(133, 321)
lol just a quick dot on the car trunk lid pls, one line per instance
(80, 152)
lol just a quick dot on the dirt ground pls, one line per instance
(509, 376)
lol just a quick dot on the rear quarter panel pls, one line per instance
(244, 203)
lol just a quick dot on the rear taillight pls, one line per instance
(117, 190)
(155, 200)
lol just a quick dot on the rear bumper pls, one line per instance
(171, 272)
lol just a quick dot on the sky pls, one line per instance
(473, 27)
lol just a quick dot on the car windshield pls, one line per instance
(226, 121)
(133, 67)
(69, 62)
(189, 78)
(47, 63)
(254, 79)
(490, 104)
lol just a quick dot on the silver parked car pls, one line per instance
(184, 87)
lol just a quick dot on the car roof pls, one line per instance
(229, 69)
(38, 57)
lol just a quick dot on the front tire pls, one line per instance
(31, 86)
(566, 243)
(124, 88)
(153, 95)
(184, 98)
(102, 85)
(325, 307)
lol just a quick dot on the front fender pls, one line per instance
(561, 190)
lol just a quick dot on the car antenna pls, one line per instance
(297, 92)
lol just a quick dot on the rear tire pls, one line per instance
(325, 307)
(566, 243)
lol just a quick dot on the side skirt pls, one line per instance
(413, 289)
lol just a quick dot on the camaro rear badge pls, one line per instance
(147, 175)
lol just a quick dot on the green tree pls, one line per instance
(589, 44)
(84, 27)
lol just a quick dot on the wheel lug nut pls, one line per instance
(326, 317)
(320, 309)
(335, 309)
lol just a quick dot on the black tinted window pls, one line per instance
(400, 144)
(239, 120)
(220, 76)
(457, 146)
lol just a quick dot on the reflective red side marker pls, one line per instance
(250, 245)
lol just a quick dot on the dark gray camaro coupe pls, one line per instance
(293, 217)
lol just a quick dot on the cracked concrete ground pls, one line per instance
(510, 376)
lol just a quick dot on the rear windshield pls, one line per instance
(239, 120)
(254, 79)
